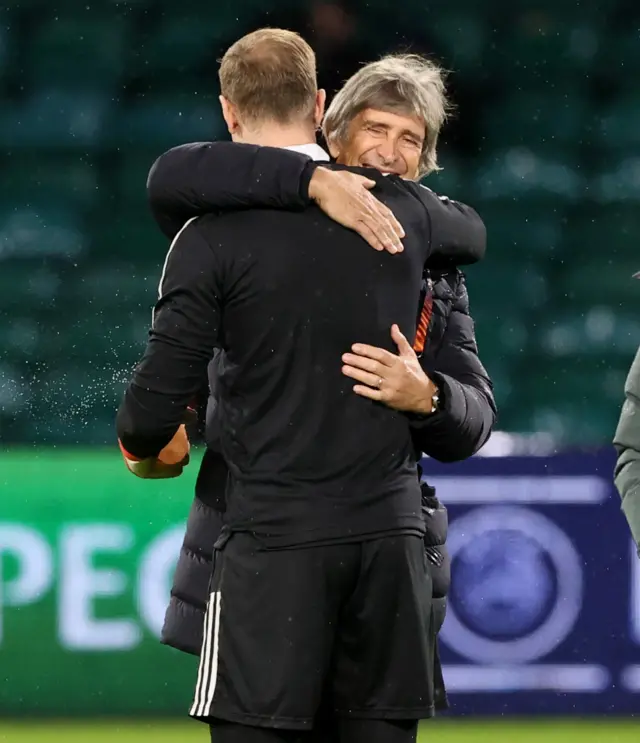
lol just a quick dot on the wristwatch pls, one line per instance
(435, 402)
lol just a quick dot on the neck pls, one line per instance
(274, 135)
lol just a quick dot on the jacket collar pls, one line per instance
(314, 151)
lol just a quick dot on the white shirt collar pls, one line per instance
(314, 151)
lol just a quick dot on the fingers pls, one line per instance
(359, 375)
(377, 231)
(370, 392)
(373, 352)
(366, 182)
(398, 229)
(369, 234)
(177, 449)
(404, 347)
(378, 234)
(345, 197)
(366, 364)
(384, 224)
(384, 210)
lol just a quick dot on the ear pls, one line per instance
(334, 150)
(318, 114)
(230, 116)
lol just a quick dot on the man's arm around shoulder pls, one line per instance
(458, 235)
(200, 177)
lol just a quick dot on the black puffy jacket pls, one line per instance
(450, 354)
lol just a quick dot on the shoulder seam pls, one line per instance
(171, 247)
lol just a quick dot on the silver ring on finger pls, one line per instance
(380, 381)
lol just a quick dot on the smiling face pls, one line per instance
(388, 142)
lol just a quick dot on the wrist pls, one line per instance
(319, 182)
(429, 400)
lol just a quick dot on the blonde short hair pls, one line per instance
(270, 74)
(407, 84)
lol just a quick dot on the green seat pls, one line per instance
(17, 5)
(31, 175)
(552, 11)
(577, 399)
(15, 403)
(39, 231)
(121, 287)
(112, 337)
(546, 121)
(500, 335)
(537, 50)
(78, 51)
(28, 284)
(235, 18)
(162, 123)
(55, 118)
(601, 280)
(69, 397)
(462, 37)
(599, 331)
(619, 182)
(522, 230)
(181, 46)
(125, 6)
(130, 237)
(619, 59)
(518, 284)
(605, 230)
(501, 374)
(451, 180)
(618, 127)
(8, 45)
(519, 173)
(131, 180)
(566, 424)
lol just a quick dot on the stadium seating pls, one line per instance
(166, 122)
(55, 117)
(546, 148)
(78, 51)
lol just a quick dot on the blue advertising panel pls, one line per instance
(544, 610)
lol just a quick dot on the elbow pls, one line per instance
(453, 448)
(464, 449)
(467, 442)
(478, 237)
(140, 438)
(156, 181)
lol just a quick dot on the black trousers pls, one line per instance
(346, 731)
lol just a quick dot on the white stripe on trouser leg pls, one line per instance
(214, 656)
(206, 656)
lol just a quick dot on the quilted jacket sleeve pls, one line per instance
(468, 410)
(627, 444)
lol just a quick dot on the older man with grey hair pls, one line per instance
(407, 86)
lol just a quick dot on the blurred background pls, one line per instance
(545, 144)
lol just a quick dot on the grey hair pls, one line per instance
(407, 84)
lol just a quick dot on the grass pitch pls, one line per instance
(442, 731)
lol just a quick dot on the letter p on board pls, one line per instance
(26, 567)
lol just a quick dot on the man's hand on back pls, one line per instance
(396, 380)
(345, 197)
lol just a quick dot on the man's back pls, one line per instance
(297, 289)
